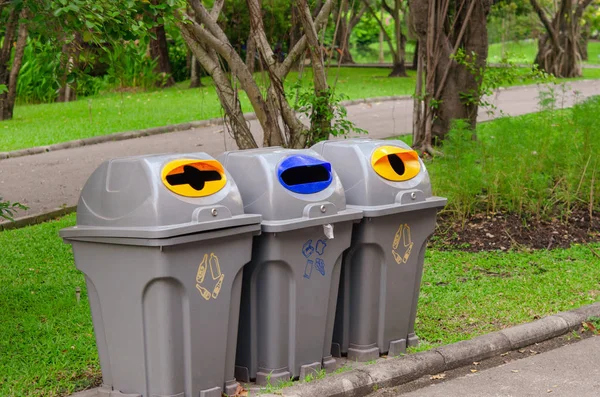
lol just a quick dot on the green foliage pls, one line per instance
(8, 209)
(329, 104)
(490, 79)
(3, 88)
(38, 79)
(130, 67)
(539, 165)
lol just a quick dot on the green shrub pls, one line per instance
(542, 165)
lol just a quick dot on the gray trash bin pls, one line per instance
(382, 271)
(290, 287)
(162, 241)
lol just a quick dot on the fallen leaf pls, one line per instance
(590, 326)
(515, 370)
(522, 351)
(505, 354)
(473, 371)
(533, 351)
(438, 376)
(549, 391)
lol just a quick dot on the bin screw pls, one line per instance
(413, 195)
(214, 212)
(323, 209)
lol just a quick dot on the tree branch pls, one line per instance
(300, 47)
(387, 8)
(216, 10)
(547, 24)
(356, 18)
(388, 39)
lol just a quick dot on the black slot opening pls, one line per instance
(305, 174)
(397, 164)
(194, 177)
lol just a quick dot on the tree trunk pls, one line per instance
(343, 37)
(442, 27)
(70, 62)
(415, 61)
(251, 53)
(195, 80)
(560, 50)
(159, 51)
(7, 99)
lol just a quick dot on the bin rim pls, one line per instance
(158, 232)
(285, 225)
(396, 208)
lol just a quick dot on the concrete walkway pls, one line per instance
(48, 181)
(572, 370)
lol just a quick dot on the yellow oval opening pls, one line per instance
(395, 163)
(194, 178)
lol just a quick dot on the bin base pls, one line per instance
(397, 347)
(329, 364)
(309, 369)
(106, 391)
(263, 378)
(336, 350)
(214, 392)
(231, 387)
(363, 353)
(413, 340)
(242, 373)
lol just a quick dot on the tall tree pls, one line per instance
(447, 89)
(560, 49)
(348, 13)
(159, 51)
(399, 49)
(15, 37)
(279, 122)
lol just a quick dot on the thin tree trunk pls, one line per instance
(251, 52)
(159, 51)
(195, 80)
(321, 115)
(70, 50)
(7, 100)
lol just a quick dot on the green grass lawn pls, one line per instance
(46, 124)
(47, 346)
(525, 51)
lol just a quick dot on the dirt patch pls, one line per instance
(505, 231)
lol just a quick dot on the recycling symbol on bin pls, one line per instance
(402, 245)
(215, 274)
(308, 249)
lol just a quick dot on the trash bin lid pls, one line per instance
(289, 188)
(158, 196)
(380, 176)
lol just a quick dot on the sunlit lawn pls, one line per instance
(46, 124)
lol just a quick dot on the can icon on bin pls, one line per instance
(290, 287)
(162, 241)
(382, 270)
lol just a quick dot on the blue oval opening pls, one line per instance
(304, 174)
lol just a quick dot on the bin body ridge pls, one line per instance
(290, 287)
(382, 270)
(163, 266)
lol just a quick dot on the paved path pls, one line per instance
(51, 180)
(572, 370)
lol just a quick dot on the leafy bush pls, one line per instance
(539, 165)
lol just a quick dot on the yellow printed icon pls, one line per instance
(216, 275)
(402, 254)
